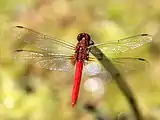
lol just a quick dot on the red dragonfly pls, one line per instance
(54, 55)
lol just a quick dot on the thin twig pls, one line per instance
(123, 86)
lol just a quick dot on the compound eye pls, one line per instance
(79, 37)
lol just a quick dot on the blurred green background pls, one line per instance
(30, 93)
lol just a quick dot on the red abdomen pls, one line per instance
(77, 81)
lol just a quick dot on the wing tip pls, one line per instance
(149, 37)
(19, 26)
(18, 50)
(142, 59)
(144, 34)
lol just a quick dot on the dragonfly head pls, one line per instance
(86, 37)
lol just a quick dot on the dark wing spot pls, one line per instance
(19, 26)
(18, 50)
(144, 34)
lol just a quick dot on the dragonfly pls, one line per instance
(61, 55)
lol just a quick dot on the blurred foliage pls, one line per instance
(31, 93)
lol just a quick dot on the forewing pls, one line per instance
(122, 45)
(48, 61)
(42, 41)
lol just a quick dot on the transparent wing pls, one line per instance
(42, 41)
(97, 78)
(49, 61)
(126, 44)
(129, 64)
(123, 64)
